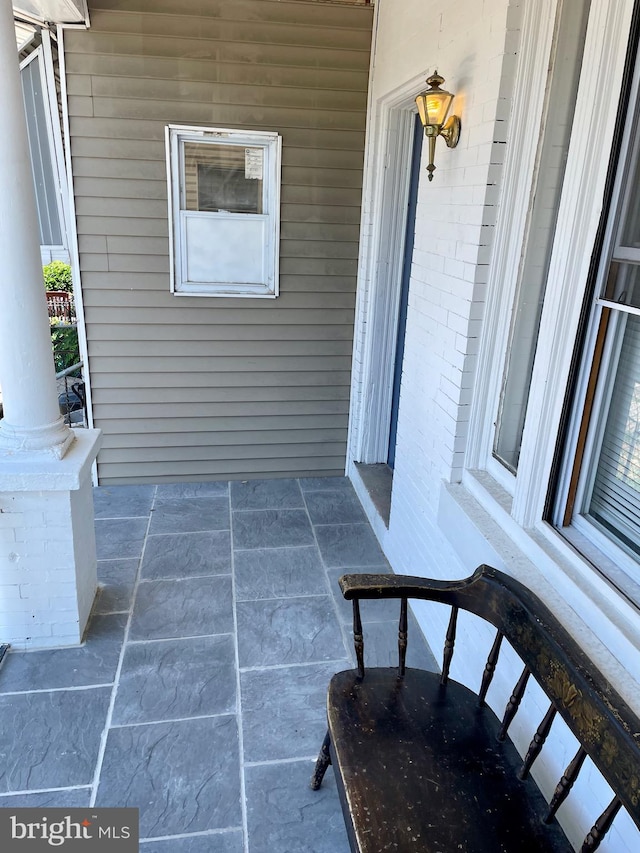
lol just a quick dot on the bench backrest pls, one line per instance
(606, 727)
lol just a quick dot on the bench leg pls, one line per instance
(324, 760)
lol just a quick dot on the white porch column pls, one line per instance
(32, 418)
(47, 540)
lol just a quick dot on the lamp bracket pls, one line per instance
(451, 131)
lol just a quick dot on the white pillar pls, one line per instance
(47, 540)
(32, 420)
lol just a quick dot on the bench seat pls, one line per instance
(423, 764)
(410, 740)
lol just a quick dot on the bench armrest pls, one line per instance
(402, 586)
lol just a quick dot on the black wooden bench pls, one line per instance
(423, 764)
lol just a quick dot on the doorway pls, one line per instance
(409, 237)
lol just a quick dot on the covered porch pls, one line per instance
(198, 695)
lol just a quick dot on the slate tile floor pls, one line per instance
(199, 693)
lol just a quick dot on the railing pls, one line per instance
(71, 396)
(60, 307)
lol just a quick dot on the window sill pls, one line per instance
(377, 479)
(578, 536)
(475, 518)
(224, 291)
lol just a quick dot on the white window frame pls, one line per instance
(585, 533)
(519, 503)
(54, 251)
(271, 144)
(385, 197)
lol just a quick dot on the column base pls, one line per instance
(48, 576)
(52, 439)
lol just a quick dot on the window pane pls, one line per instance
(523, 338)
(615, 497)
(623, 285)
(223, 178)
(41, 158)
(631, 229)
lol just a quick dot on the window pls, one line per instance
(41, 148)
(600, 498)
(554, 144)
(224, 200)
(553, 452)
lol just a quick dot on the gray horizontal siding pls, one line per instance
(133, 128)
(267, 53)
(244, 10)
(220, 334)
(211, 394)
(218, 348)
(293, 379)
(212, 425)
(166, 471)
(236, 438)
(149, 281)
(133, 149)
(200, 388)
(218, 452)
(229, 30)
(85, 68)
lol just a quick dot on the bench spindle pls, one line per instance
(402, 637)
(514, 703)
(390, 732)
(490, 668)
(324, 760)
(449, 643)
(565, 784)
(358, 640)
(601, 826)
(537, 743)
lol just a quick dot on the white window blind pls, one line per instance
(615, 496)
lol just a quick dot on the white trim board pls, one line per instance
(380, 274)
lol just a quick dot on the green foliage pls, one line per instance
(57, 276)
(65, 346)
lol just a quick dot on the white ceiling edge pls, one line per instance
(53, 11)
(24, 34)
(31, 13)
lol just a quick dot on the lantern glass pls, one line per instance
(433, 104)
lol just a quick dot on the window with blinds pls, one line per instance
(599, 495)
(615, 495)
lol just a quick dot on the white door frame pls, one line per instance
(384, 215)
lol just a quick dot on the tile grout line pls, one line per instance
(45, 791)
(178, 639)
(298, 759)
(77, 689)
(241, 765)
(227, 830)
(186, 578)
(277, 666)
(171, 720)
(116, 681)
(190, 532)
(325, 568)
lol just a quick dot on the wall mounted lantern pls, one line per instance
(433, 106)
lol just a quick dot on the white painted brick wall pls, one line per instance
(47, 566)
(473, 45)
